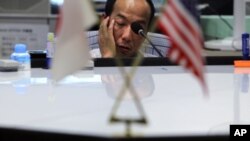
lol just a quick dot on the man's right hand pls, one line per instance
(106, 38)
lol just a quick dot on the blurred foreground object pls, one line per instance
(183, 29)
(72, 52)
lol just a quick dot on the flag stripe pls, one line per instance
(186, 37)
(180, 44)
(179, 23)
(192, 24)
(186, 63)
(189, 24)
(179, 27)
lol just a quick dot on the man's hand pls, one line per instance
(106, 38)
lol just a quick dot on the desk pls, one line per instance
(81, 104)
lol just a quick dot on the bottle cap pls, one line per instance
(50, 37)
(20, 48)
(245, 35)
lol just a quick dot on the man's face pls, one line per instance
(124, 13)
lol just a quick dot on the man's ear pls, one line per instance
(103, 16)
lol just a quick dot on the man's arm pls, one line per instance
(106, 39)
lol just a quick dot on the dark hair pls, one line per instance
(110, 5)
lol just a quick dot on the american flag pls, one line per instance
(183, 29)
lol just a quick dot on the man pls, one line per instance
(116, 38)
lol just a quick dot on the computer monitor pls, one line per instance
(58, 2)
(100, 4)
(25, 6)
(23, 21)
(222, 7)
(234, 42)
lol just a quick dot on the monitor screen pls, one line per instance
(216, 7)
(58, 2)
(31, 7)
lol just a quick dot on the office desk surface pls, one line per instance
(81, 104)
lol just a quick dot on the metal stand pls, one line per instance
(128, 122)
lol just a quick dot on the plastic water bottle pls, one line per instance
(21, 55)
(50, 49)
